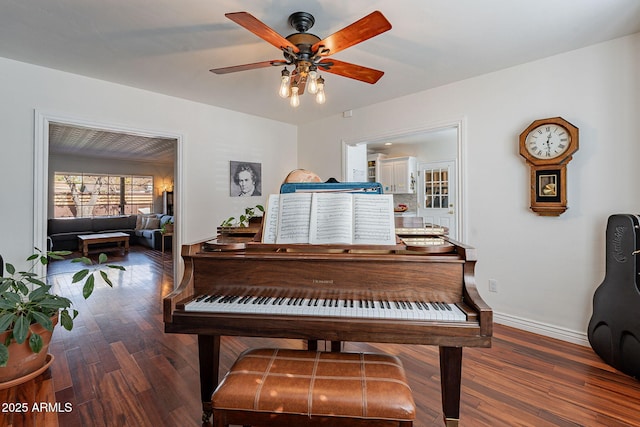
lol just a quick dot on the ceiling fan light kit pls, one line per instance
(307, 53)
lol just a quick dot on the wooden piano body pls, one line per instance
(340, 272)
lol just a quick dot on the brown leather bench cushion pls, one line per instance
(353, 385)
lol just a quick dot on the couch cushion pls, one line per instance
(113, 223)
(68, 225)
(165, 218)
(147, 234)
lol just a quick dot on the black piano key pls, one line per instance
(212, 298)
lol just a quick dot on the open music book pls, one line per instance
(329, 218)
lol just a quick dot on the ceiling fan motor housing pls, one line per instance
(301, 21)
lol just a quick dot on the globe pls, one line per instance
(302, 175)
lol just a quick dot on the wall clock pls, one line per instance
(548, 145)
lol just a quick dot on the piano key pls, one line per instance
(329, 307)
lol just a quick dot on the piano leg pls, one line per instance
(450, 378)
(209, 358)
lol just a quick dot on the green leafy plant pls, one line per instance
(243, 221)
(167, 227)
(26, 300)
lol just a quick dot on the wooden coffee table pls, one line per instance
(90, 239)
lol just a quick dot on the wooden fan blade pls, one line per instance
(370, 26)
(235, 68)
(352, 71)
(261, 30)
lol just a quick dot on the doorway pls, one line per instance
(431, 144)
(43, 122)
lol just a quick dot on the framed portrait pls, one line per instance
(245, 179)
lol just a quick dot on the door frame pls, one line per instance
(42, 120)
(460, 125)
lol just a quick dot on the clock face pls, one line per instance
(547, 141)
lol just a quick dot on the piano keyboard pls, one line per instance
(327, 307)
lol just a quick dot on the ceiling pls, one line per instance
(168, 46)
(87, 142)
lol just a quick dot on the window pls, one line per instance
(436, 188)
(87, 195)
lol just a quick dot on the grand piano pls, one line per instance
(414, 292)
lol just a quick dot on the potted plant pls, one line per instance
(29, 311)
(250, 215)
(167, 227)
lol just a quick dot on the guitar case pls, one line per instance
(614, 328)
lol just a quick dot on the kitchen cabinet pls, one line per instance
(398, 175)
(373, 167)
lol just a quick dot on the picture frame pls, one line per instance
(548, 185)
(245, 179)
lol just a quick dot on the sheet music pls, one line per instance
(294, 218)
(270, 220)
(374, 222)
(331, 218)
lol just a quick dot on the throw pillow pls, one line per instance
(152, 223)
(141, 220)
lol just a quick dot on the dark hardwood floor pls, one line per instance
(118, 368)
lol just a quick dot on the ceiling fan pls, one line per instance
(308, 54)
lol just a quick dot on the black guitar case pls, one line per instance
(614, 328)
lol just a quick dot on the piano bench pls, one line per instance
(278, 387)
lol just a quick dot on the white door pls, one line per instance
(356, 167)
(436, 198)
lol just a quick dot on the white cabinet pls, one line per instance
(398, 175)
(373, 166)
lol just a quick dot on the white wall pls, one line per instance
(211, 138)
(546, 268)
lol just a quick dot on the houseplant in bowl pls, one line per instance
(29, 311)
(250, 215)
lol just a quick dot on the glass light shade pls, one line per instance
(284, 85)
(312, 85)
(320, 96)
(295, 98)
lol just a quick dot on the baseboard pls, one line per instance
(540, 328)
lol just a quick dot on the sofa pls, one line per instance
(63, 233)
(149, 232)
